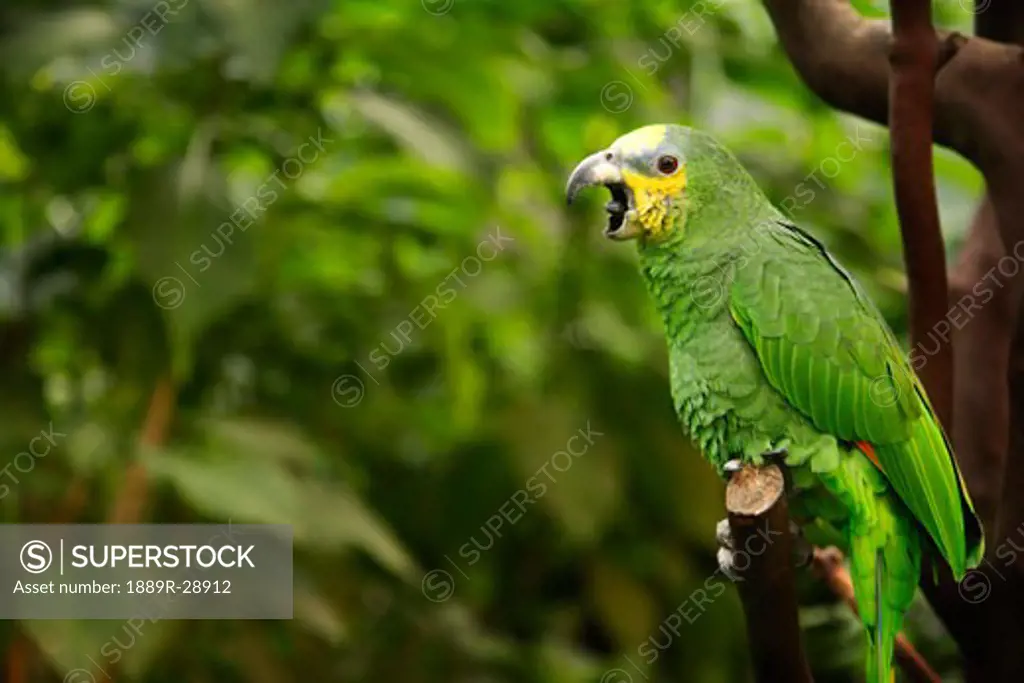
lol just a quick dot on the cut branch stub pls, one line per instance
(753, 490)
(763, 550)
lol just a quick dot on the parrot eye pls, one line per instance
(668, 164)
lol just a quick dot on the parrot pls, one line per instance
(775, 350)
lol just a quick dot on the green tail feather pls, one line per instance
(934, 491)
(883, 635)
(884, 567)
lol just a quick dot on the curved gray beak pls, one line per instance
(596, 169)
(603, 169)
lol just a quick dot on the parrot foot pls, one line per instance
(726, 553)
(803, 552)
(733, 466)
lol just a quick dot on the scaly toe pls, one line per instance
(727, 564)
(723, 534)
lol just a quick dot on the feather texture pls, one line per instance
(866, 390)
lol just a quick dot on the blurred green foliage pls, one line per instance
(290, 213)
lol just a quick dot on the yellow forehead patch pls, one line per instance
(651, 195)
(646, 138)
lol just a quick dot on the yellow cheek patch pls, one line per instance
(651, 196)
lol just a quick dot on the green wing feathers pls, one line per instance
(925, 475)
(828, 351)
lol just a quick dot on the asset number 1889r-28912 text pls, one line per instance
(184, 587)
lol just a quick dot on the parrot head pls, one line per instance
(658, 176)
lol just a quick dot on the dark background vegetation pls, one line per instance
(291, 376)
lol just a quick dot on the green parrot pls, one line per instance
(774, 348)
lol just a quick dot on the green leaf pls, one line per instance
(241, 488)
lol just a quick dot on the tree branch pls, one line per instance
(914, 59)
(130, 503)
(1001, 21)
(18, 657)
(981, 361)
(975, 613)
(759, 521)
(838, 54)
(979, 88)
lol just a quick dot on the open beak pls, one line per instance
(602, 169)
